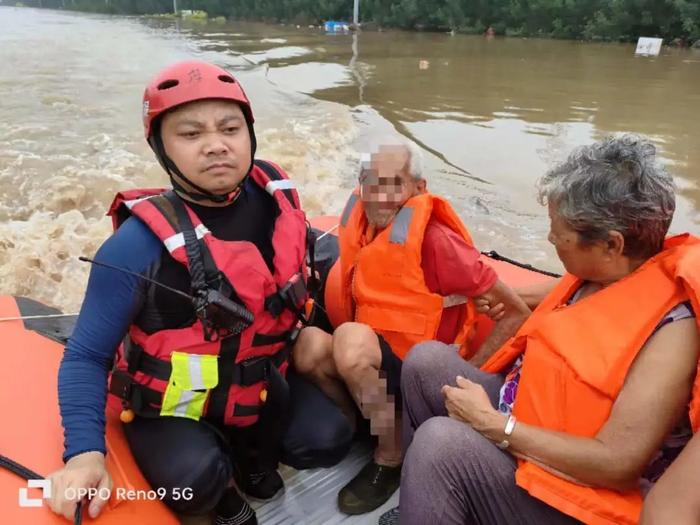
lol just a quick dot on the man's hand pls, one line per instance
(495, 312)
(84, 471)
(532, 295)
(509, 311)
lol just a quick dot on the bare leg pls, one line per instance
(313, 358)
(358, 358)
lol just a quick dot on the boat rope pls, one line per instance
(498, 257)
(327, 232)
(25, 473)
(18, 469)
(29, 317)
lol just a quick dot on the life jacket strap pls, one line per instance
(139, 361)
(292, 296)
(256, 369)
(142, 400)
(245, 373)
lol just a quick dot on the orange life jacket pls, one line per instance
(383, 285)
(180, 372)
(576, 358)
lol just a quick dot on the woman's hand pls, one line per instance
(468, 402)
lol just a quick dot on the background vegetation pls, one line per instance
(624, 20)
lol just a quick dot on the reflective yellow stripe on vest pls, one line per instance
(191, 379)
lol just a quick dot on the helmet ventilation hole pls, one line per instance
(168, 84)
(226, 78)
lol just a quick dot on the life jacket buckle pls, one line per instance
(291, 296)
(120, 385)
(294, 292)
(133, 395)
(132, 354)
(251, 371)
(293, 335)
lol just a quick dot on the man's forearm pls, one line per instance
(533, 294)
(502, 331)
(82, 390)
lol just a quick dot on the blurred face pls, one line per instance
(591, 262)
(386, 184)
(209, 142)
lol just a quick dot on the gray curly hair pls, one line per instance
(614, 184)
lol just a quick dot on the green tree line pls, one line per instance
(578, 19)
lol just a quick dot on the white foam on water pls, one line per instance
(71, 137)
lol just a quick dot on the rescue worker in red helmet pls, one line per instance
(200, 374)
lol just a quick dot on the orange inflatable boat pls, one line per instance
(32, 436)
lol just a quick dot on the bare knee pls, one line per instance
(355, 347)
(312, 349)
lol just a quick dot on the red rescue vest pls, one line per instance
(177, 372)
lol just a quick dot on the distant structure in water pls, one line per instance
(334, 26)
(649, 47)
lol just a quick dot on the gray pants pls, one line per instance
(451, 473)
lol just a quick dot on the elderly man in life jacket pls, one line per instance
(408, 267)
(200, 372)
(592, 394)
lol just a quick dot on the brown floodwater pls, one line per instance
(491, 116)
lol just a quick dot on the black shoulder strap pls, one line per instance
(192, 246)
(272, 172)
(313, 282)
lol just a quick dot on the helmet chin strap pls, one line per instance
(199, 194)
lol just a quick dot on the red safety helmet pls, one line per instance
(182, 83)
(189, 81)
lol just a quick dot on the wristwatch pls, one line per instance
(510, 426)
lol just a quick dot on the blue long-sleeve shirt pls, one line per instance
(114, 300)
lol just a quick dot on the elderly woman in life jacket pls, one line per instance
(577, 415)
